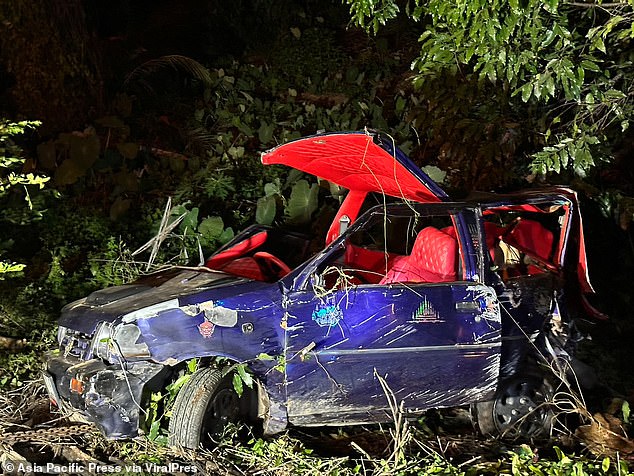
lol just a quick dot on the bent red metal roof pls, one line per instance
(355, 161)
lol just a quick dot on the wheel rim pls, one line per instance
(521, 408)
(223, 409)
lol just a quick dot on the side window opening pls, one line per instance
(523, 243)
(397, 248)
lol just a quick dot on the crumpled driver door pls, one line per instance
(435, 345)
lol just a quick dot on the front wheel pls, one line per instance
(520, 409)
(204, 407)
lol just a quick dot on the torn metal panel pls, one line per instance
(199, 327)
(108, 395)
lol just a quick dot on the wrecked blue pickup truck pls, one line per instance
(445, 303)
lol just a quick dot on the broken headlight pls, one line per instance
(101, 344)
(113, 342)
(125, 342)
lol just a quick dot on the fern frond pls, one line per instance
(199, 139)
(175, 62)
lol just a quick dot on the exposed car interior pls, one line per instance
(523, 243)
(392, 249)
(261, 253)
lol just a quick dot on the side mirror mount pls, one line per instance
(344, 223)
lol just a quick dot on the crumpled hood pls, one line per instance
(111, 303)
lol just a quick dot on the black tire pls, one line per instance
(520, 409)
(204, 407)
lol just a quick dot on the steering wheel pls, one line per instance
(271, 265)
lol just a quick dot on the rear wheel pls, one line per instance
(204, 407)
(520, 408)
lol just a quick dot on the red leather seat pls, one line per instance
(218, 260)
(532, 238)
(246, 267)
(433, 260)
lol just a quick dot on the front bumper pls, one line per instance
(105, 394)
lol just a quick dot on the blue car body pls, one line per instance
(320, 336)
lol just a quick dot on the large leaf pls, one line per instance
(303, 202)
(84, 150)
(68, 173)
(245, 376)
(190, 222)
(211, 228)
(237, 384)
(226, 236)
(265, 132)
(265, 210)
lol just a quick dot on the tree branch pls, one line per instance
(597, 5)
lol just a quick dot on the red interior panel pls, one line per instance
(361, 258)
(239, 249)
(353, 161)
(532, 238)
(246, 267)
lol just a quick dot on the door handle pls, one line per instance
(468, 306)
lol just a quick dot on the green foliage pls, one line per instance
(38, 332)
(526, 461)
(302, 203)
(241, 377)
(11, 176)
(6, 268)
(80, 251)
(372, 14)
(265, 210)
(280, 361)
(298, 208)
(159, 408)
(575, 152)
(191, 236)
(114, 265)
(565, 67)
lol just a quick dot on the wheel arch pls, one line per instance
(269, 402)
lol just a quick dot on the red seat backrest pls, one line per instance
(532, 238)
(236, 251)
(433, 259)
(436, 252)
